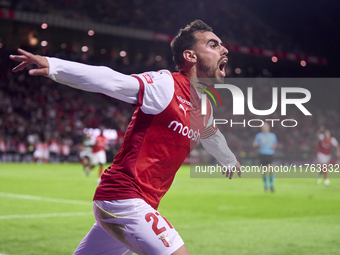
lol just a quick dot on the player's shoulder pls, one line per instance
(158, 88)
(154, 77)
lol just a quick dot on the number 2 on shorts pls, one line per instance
(155, 222)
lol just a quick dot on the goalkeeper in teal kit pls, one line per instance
(266, 141)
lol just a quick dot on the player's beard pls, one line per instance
(210, 72)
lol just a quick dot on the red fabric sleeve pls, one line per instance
(140, 93)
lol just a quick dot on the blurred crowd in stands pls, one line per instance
(231, 19)
(36, 109)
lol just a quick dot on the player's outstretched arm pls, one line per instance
(27, 59)
(97, 79)
(217, 146)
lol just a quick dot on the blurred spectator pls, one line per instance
(41, 152)
(22, 150)
(3, 149)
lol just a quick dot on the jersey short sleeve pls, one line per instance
(334, 142)
(156, 91)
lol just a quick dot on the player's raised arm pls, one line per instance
(98, 79)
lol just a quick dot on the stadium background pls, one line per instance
(133, 37)
(284, 39)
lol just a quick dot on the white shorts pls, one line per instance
(98, 158)
(85, 153)
(127, 226)
(323, 158)
(41, 154)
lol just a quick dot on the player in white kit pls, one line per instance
(161, 134)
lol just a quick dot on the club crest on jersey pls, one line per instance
(147, 77)
(166, 240)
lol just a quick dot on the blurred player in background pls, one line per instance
(41, 151)
(86, 152)
(158, 139)
(22, 150)
(65, 149)
(266, 142)
(3, 149)
(54, 148)
(324, 152)
(98, 155)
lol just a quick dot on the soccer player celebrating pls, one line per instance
(266, 141)
(324, 151)
(156, 143)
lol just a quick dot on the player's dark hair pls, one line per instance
(185, 40)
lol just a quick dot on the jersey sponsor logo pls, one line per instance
(184, 130)
(184, 101)
(147, 77)
(184, 109)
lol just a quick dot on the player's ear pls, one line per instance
(190, 56)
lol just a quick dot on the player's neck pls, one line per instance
(191, 74)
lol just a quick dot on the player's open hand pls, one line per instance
(27, 59)
(230, 171)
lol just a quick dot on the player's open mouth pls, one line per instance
(222, 66)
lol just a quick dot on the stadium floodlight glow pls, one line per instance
(84, 49)
(238, 70)
(122, 53)
(44, 43)
(90, 32)
(32, 39)
(303, 63)
(44, 25)
(158, 58)
(274, 59)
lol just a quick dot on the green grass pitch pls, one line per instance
(47, 209)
